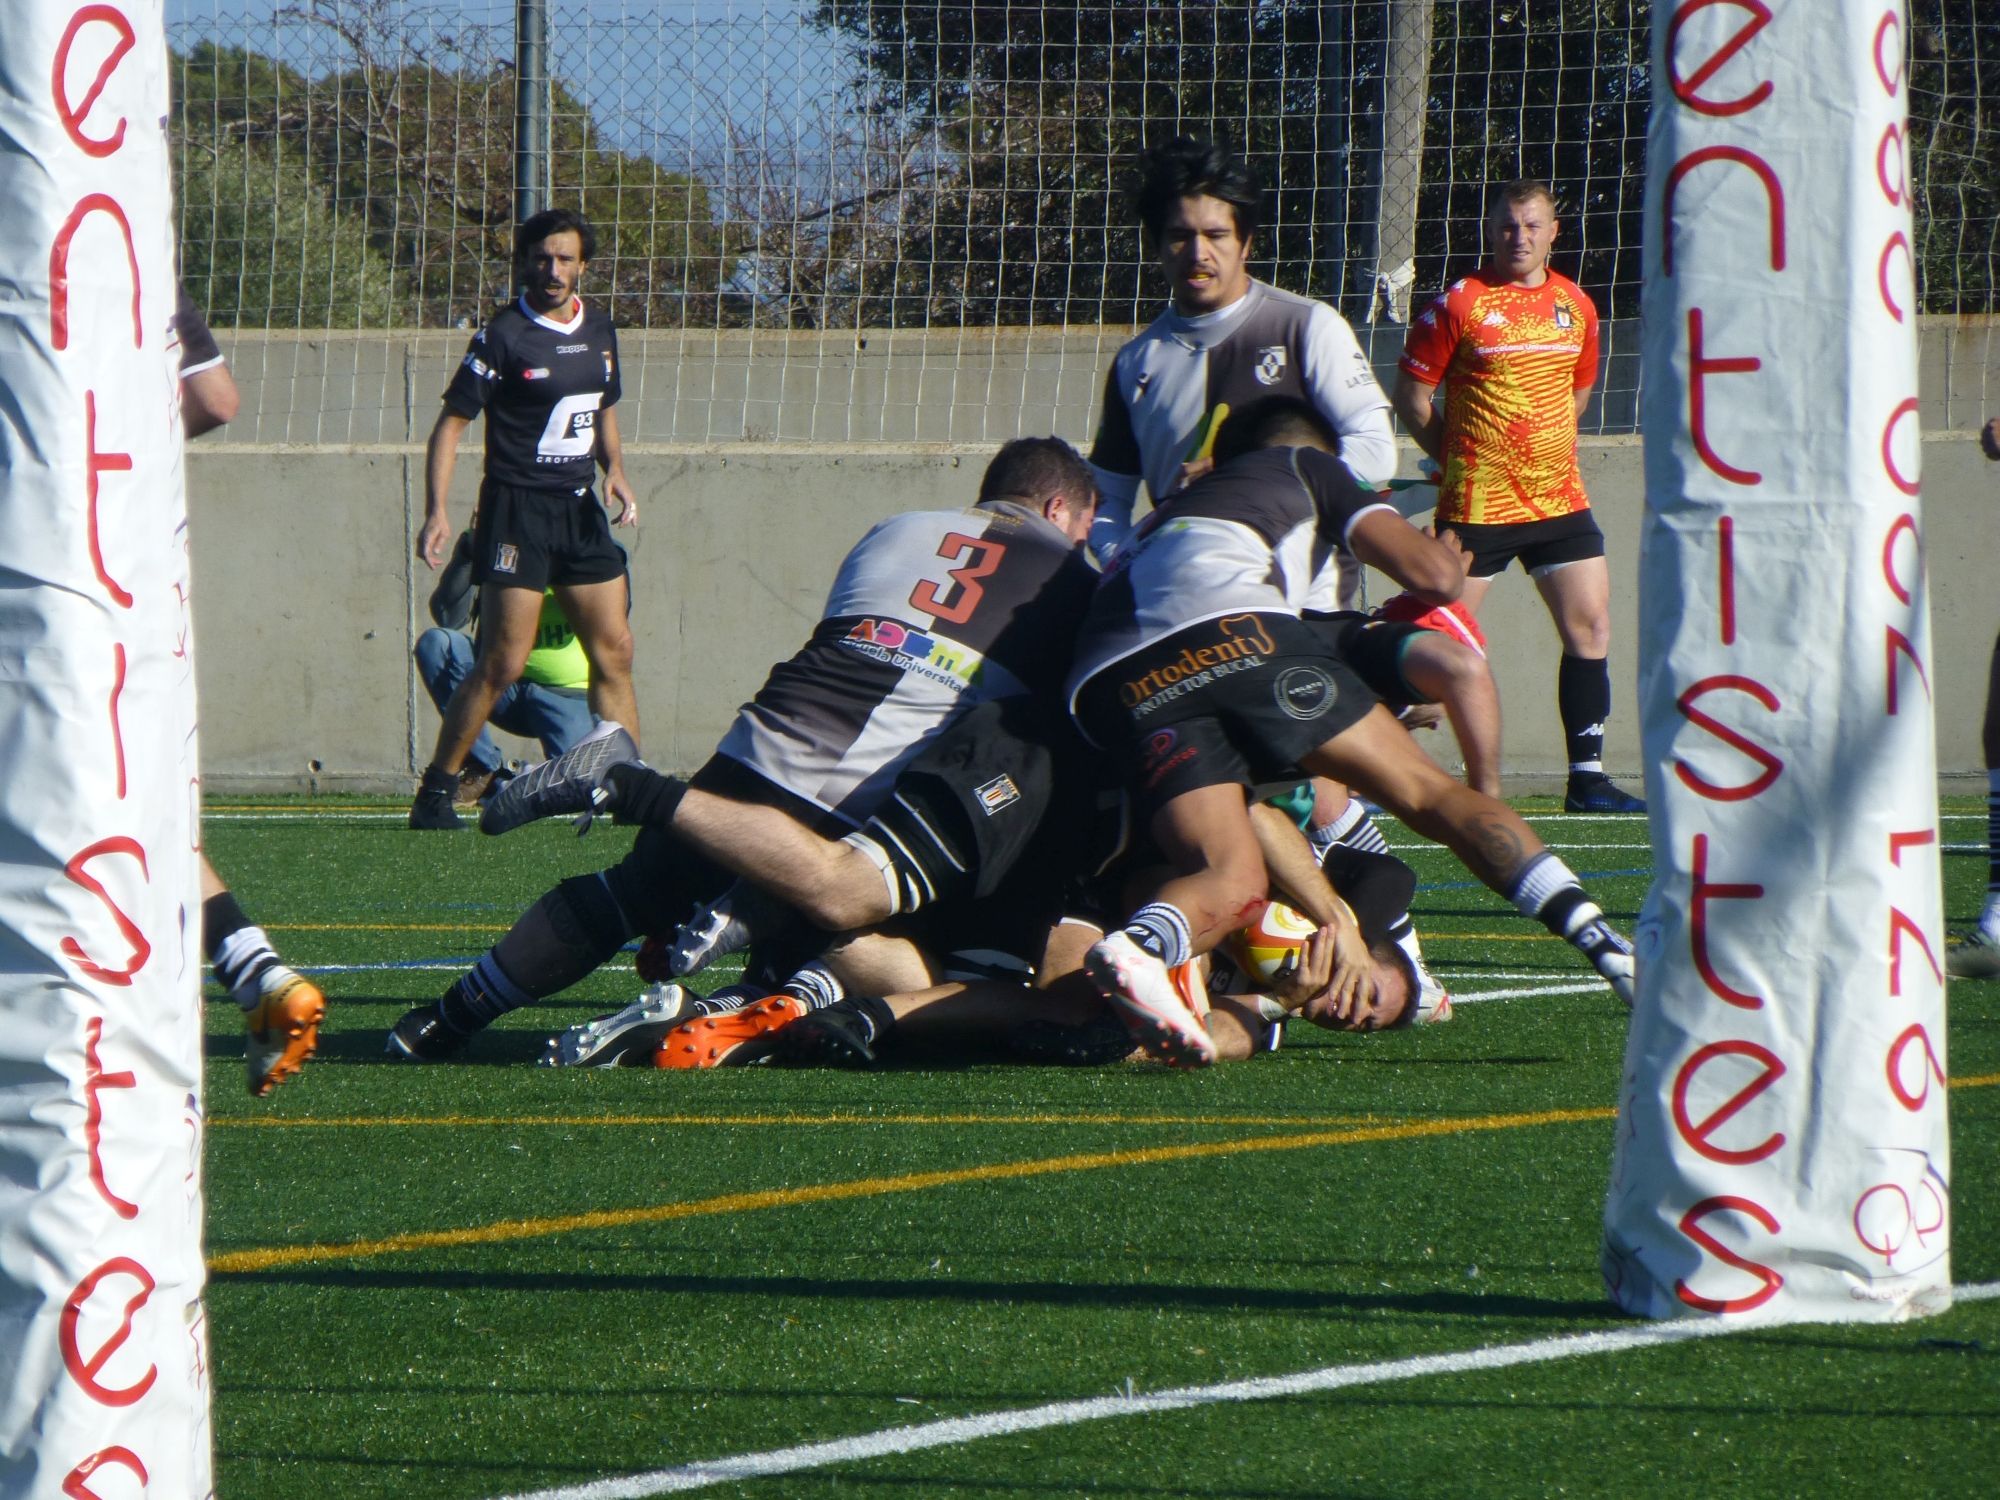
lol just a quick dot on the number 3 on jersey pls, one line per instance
(572, 427)
(977, 558)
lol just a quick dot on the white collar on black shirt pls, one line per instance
(570, 327)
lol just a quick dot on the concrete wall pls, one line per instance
(307, 599)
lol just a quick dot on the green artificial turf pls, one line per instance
(652, 1336)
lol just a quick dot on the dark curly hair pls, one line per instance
(550, 221)
(1194, 167)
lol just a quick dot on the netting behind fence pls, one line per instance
(854, 220)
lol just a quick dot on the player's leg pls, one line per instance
(444, 660)
(1978, 957)
(508, 618)
(566, 935)
(1452, 674)
(1578, 595)
(600, 614)
(281, 1008)
(1378, 757)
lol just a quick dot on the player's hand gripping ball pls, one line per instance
(1268, 948)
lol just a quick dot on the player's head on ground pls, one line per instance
(1395, 1002)
(551, 250)
(1200, 206)
(1274, 422)
(1520, 227)
(1046, 475)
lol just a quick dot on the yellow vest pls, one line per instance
(557, 658)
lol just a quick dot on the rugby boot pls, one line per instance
(283, 1026)
(625, 1037)
(1167, 1014)
(573, 783)
(1594, 792)
(729, 1041)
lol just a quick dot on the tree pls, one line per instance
(404, 151)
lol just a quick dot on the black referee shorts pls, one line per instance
(533, 539)
(1538, 544)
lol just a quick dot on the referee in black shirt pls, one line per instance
(545, 373)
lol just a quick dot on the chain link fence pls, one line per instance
(864, 221)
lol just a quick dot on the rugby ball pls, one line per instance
(1268, 947)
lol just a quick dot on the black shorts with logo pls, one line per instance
(1539, 544)
(1236, 700)
(1372, 649)
(532, 539)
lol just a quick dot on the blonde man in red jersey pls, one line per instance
(1517, 344)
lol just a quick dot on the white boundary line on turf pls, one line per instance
(898, 1440)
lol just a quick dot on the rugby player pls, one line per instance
(931, 614)
(545, 374)
(1977, 956)
(1195, 670)
(282, 1009)
(1516, 345)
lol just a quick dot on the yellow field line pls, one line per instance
(239, 1261)
(344, 1122)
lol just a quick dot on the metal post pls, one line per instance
(531, 107)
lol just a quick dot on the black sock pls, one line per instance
(875, 1014)
(1993, 833)
(436, 781)
(234, 944)
(482, 996)
(1583, 700)
(641, 795)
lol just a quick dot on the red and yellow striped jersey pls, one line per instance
(1513, 358)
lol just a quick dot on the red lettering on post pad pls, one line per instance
(1691, 1226)
(72, 115)
(84, 1369)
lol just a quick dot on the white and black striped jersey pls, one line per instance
(1249, 537)
(931, 612)
(1164, 385)
(541, 383)
(198, 348)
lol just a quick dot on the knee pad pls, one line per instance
(583, 913)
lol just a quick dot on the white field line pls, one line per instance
(898, 1440)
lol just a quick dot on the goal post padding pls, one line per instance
(1781, 1146)
(102, 1335)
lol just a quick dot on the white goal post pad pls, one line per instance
(1781, 1146)
(102, 1335)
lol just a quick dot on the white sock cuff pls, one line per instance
(879, 857)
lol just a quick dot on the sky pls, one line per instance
(674, 79)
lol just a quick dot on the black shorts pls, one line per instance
(1373, 650)
(1539, 544)
(1237, 700)
(532, 539)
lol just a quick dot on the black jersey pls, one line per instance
(932, 612)
(541, 384)
(1249, 537)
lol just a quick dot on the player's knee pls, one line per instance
(611, 655)
(586, 917)
(499, 670)
(1588, 635)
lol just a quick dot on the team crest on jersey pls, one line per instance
(998, 793)
(1270, 365)
(1563, 319)
(507, 559)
